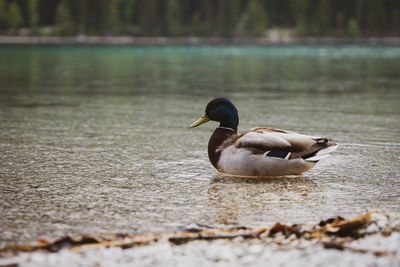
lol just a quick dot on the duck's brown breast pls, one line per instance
(218, 138)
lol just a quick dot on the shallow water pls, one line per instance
(95, 138)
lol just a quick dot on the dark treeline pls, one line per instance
(224, 18)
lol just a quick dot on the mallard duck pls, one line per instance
(259, 151)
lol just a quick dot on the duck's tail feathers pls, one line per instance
(323, 153)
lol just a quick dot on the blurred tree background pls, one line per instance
(222, 18)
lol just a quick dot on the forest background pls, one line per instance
(205, 18)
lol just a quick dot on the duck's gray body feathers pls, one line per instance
(266, 151)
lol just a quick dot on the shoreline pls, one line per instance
(190, 41)
(371, 239)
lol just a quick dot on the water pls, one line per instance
(95, 139)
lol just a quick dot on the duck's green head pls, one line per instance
(221, 110)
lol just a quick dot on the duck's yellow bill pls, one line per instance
(200, 121)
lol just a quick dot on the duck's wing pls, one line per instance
(281, 144)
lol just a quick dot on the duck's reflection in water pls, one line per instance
(245, 201)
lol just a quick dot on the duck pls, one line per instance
(261, 151)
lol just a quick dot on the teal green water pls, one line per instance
(95, 138)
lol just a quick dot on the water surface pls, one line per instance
(95, 138)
